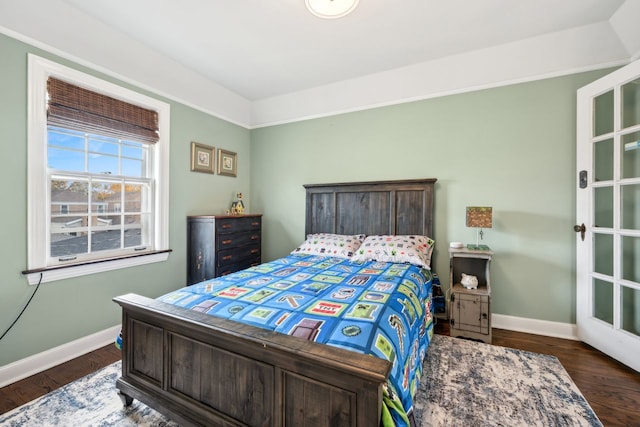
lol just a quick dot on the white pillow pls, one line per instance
(413, 249)
(335, 245)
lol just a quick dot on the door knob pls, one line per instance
(580, 229)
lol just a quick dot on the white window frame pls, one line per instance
(38, 197)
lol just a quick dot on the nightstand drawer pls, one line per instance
(472, 313)
(234, 225)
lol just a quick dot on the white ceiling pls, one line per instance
(263, 62)
(264, 48)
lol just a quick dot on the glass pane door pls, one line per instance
(608, 204)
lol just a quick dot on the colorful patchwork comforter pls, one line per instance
(377, 308)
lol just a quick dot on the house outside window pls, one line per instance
(98, 187)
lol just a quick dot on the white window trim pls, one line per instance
(40, 70)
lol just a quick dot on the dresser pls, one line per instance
(221, 244)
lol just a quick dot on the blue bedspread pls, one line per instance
(377, 308)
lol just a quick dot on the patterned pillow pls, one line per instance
(336, 245)
(411, 249)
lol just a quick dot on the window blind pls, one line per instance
(77, 108)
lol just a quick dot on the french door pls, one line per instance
(608, 215)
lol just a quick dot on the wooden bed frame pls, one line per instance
(203, 370)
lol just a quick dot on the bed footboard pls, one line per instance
(202, 370)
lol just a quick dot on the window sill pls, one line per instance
(45, 275)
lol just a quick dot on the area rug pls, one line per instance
(465, 384)
(89, 401)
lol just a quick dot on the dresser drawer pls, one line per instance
(234, 255)
(234, 225)
(233, 240)
(232, 268)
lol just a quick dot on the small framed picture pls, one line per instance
(202, 158)
(227, 163)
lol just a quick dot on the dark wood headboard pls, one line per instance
(372, 208)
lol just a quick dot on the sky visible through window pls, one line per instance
(95, 191)
(79, 152)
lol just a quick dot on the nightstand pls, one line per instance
(470, 310)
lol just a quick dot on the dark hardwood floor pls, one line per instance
(612, 389)
(26, 390)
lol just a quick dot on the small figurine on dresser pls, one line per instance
(237, 207)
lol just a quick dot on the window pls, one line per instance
(98, 170)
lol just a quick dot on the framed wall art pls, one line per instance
(202, 158)
(227, 163)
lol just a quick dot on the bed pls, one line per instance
(200, 369)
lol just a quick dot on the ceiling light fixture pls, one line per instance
(330, 9)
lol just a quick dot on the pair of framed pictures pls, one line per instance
(203, 160)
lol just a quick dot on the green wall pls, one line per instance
(66, 310)
(512, 148)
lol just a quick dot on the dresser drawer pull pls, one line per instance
(226, 242)
(255, 237)
(227, 225)
(227, 257)
(254, 251)
(255, 224)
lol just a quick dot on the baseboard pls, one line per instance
(567, 331)
(31, 365)
(39, 362)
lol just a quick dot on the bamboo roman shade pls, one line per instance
(73, 107)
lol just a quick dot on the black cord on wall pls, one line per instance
(23, 308)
